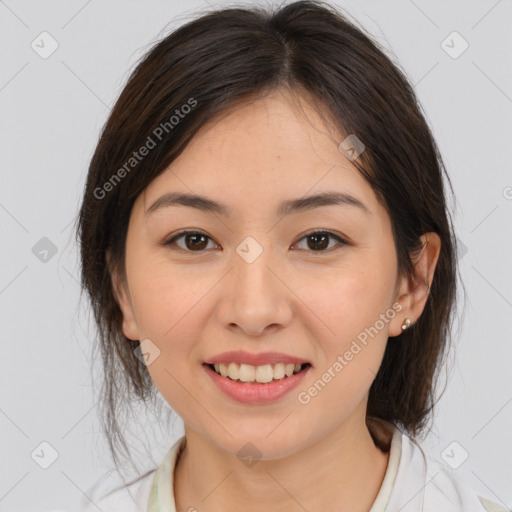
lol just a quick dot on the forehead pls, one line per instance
(262, 152)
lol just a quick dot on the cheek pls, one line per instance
(355, 342)
(170, 311)
(165, 296)
(354, 300)
(354, 307)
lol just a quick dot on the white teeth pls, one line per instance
(233, 370)
(278, 371)
(263, 374)
(246, 373)
(223, 369)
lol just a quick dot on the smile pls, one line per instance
(278, 380)
(257, 374)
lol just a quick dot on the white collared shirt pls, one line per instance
(413, 482)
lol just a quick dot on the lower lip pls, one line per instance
(255, 393)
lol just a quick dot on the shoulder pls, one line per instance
(133, 497)
(444, 488)
(434, 486)
(151, 491)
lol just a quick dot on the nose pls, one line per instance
(256, 299)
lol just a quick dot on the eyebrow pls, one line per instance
(285, 208)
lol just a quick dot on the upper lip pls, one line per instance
(242, 357)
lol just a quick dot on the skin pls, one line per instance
(311, 304)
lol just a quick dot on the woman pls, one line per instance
(265, 241)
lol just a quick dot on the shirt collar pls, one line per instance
(162, 492)
(161, 498)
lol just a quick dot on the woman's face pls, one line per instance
(253, 281)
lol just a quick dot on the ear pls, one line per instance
(413, 293)
(122, 296)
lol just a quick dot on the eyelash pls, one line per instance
(183, 233)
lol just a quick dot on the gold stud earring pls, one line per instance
(406, 324)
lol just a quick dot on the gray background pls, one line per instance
(51, 113)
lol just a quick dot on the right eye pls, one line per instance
(195, 241)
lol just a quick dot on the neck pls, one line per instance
(342, 471)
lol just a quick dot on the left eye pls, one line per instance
(195, 241)
(318, 241)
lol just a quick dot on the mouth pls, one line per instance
(257, 375)
(256, 385)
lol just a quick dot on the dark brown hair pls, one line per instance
(234, 55)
